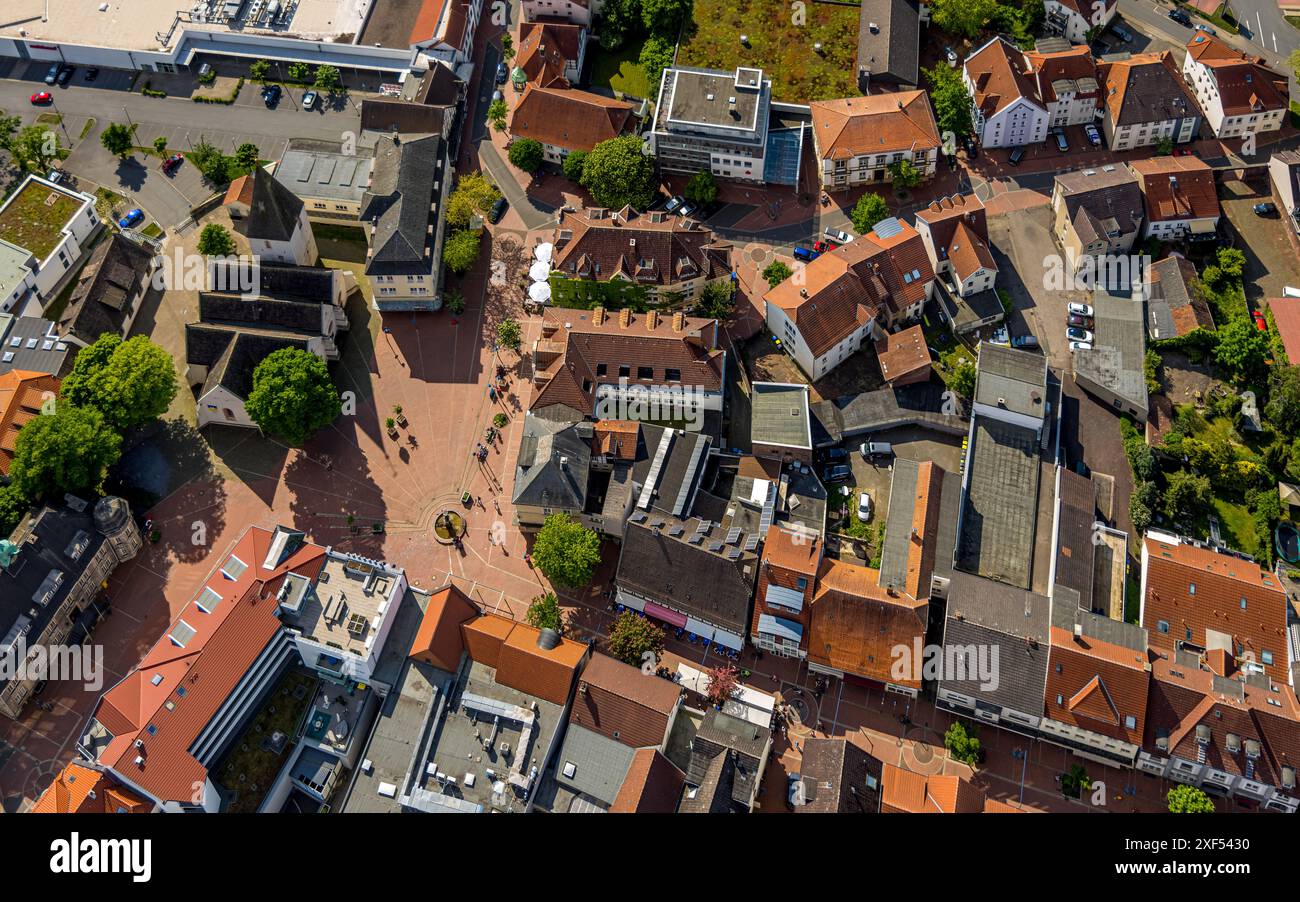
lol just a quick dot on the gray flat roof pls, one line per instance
(1011, 380)
(31, 343)
(1001, 502)
(598, 764)
(703, 97)
(325, 174)
(1115, 362)
(779, 415)
(898, 525)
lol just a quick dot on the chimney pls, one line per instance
(1078, 632)
(598, 316)
(625, 317)
(679, 321)
(652, 320)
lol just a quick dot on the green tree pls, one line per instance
(656, 56)
(246, 156)
(1241, 351)
(9, 126)
(1164, 146)
(573, 164)
(460, 251)
(904, 174)
(619, 20)
(776, 272)
(544, 613)
(1186, 494)
(1231, 262)
(293, 395)
(160, 145)
(215, 241)
(618, 173)
(716, 299)
(509, 334)
(527, 154)
(35, 147)
(259, 69)
(473, 196)
(69, 450)
(507, 47)
(566, 551)
(635, 640)
(962, 18)
(962, 742)
(1283, 407)
(455, 301)
(702, 188)
(665, 17)
(869, 210)
(962, 379)
(13, 507)
(299, 71)
(129, 382)
(951, 102)
(497, 112)
(328, 79)
(210, 161)
(1186, 799)
(118, 139)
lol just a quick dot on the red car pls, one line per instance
(171, 163)
(822, 247)
(1260, 323)
(42, 97)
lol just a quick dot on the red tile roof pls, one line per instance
(546, 48)
(22, 394)
(199, 677)
(1198, 590)
(1177, 188)
(907, 792)
(875, 124)
(568, 118)
(653, 785)
(1074, 65)
(511, 648)
(1245, 84)
(1001, 74)
(1286, 314)
(620, 702)
(856, 625)
(78, 789)
(1099, 685)
(438, 640)
(904, 355)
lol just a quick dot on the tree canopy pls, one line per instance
(573, 164)
(129, 382)
(632, 636)
(617, 174)
(293, 395)
(473, 195)
(566, 551)
(702, 188)
(869, 210)
(460, 251)
(118, 139)
(1187, 799)
(776, 272)
(69, 450)
(216, 241)
(951, 102)
(527, 154)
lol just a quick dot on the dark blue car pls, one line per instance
(131, 219)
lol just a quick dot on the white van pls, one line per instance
(876, 449)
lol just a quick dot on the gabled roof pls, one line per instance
(969, 252)
(651, 249)
(618, 701)
(889, 40)
(1098, 674)
(1001, 75)
(907, 792)
(835, 775)
(1100, 202)
(520, 660)
(400, 205)
(911, 546)
(438, 640)
(106, 288)
(1146, 87)
(1071, 71)
(551, 470)
(546, 47)
(78, 789)
(875, 124)
(1177, 188)
(181, 683)
(1174, 307)
(273, 209)
(22, 393)
(901, 354)
(1245, 84)
(942, 217)
(653, 785)
(568, 118)
(856, 624)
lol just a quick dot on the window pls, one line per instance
(624, 372)
(601, 369)
(1163, 626)
(1191, 589)
(1130, 722)
(801, 583)
(645, 372)
(673, 375)
(1266, 657)
(1243, 604)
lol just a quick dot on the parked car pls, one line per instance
(65, 74)
(52, 73)
(1268, 208)
(837, 236)
(503, 73)
(131, 219)
(271, 95)
(1000, 336)
(835, 454)
(675, 203)
(864, 507)
(1094, 136)
(1025, 342)
(173, 162)
(875, 449)
(42, 97)
(92, 73)
(1074, 333)
(837, 473)
(822, 247)
(1080, 309)
(56, 177)
(1122, 33)
(1061, 144)
(309, 100)
(951, 55)
(1207, 29)
(1080, 346)
(793, 791)
(1078, 319)
(498, 210)
(1260, 323)
(687, 208)
(1017, 154)
(805, 254)
(1181, 17)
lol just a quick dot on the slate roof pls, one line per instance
(891, 50)
(1145, 87)
(399, 204)
(1173, 307)
(232, 354)
(282, 281)
(1098, 202)
(835, 775)
(31, 343)
(911, 546)
(552, 467)
(273, 209)
(711, 793)
(720, 733)
(107, 289)
(263, 312)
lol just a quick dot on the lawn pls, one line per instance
(619, 71)
(782, 49)
(34, 224)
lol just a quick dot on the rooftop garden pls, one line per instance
(255, 757)
(35, 217)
